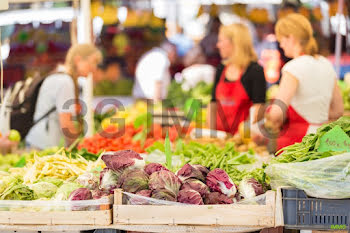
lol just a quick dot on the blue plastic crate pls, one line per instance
(303, 212)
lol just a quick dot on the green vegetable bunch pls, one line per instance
(177, 96)
(345, 90)
(209, 155)
(308, 149)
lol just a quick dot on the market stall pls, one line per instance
(156, 167)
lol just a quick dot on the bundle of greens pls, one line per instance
(177, 96)
(308, 149)
(345, 90)
(211, 156)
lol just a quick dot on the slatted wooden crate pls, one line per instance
(102, 216)
(254, 216)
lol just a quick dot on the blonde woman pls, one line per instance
(309, 95)
(58, 99)
(240, 82)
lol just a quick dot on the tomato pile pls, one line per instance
(113, 140)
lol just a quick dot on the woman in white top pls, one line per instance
(309, 95)
(60, 92)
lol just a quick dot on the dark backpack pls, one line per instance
(24, 95)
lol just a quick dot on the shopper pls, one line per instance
(240, 82)
(308, 95)
(58, 99)
(208, 43)
(152, 72)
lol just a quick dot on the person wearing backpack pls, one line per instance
(57, 102)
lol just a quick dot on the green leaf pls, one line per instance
(179, 145)
(21, 162)
(167, 152)
(140, 120)
(156, 146)
(141, 136)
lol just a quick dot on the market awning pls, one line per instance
(39, 15)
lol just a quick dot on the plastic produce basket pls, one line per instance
(303, 212)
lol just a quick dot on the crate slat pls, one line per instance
(103, 217)
(225, 215)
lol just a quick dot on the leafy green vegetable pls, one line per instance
(156, 146)
(144, 121)
(18, 192)
(21, 162)
(177, 96)
(345, 90)
(44, 189)
(308, 149)
(64, 191)
(167, 151)
(51, 180)
(209, 155)
(12, 188)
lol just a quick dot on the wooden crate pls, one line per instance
(260, 216)
(101, 217)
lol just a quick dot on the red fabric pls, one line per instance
(293, 130)
(233, 104)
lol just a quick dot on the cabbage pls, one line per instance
(154, 167)
(133, 180)
(97, 194)
(166, 181)
(202, 169)
(17, 192)
(164, 195)
(196, 185)
(219, 181)
(44, 189)
(7, 181)
(215, 198)
(55, 181)
(188, 172)
(108, 180)
(89, 180)
(140, 200)
(190, 196)
(118, 161)
(65, 190)
(11, 188)
(80, 194)
(250, 188)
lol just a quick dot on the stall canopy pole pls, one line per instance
(85, 23)
(86, 37)
(338, 42)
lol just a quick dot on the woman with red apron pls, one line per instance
(240, 84)
(308, 94)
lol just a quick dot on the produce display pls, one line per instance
(308, 149)
(321, 172)
(213, 156)
(177, 96)
(137, 139)
(191, 184)
(8, 161)
(47, 177)
(129, 114)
